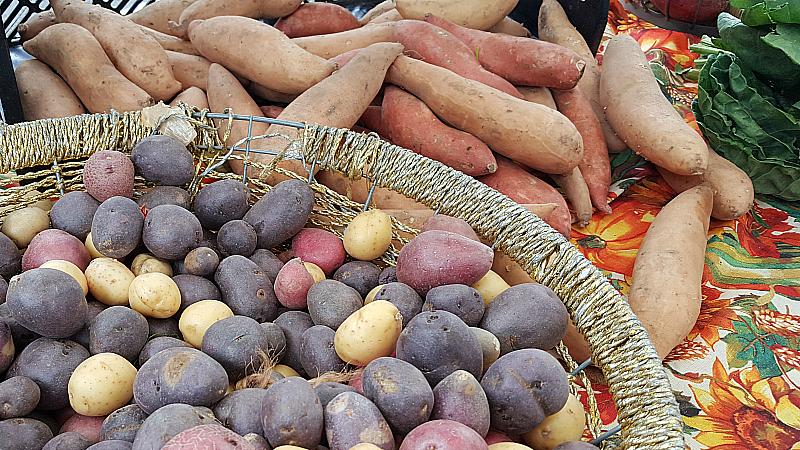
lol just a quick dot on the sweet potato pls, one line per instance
(345, 57)
(43, 94)
(523, 187)
(438, 47)
(254, 9)
(540, 95)
(157, 15)
(522, 61)
(261, 91)
(577, 192)
(311, 19)
(389, 16)
(510, 27)
(172, 43)
(595, 166)
(330, 45)
(190, 70)
(75, 54)
(733, 189)
(358, 190)
(271, 111)
(376, 11)
(526, 132)
(372, 118)
(477, 14)
(668, 271)
(134, 53)
(193, 96)
(282, 66)
(412, 125)
(642, 116)
(35, 24)
(414, 218)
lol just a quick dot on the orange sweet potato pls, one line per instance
(577, 192)
(35, 24)
(193, 96)
(171, 43)
(532, 134)
(311, 19)
(190, 70)
(376, 11)
(522, 61)
(372, 119)
(540, 95)
(157, 15)
(43, 94)
(254, 9)
(477, 14)
(411, 124)
(330, 45)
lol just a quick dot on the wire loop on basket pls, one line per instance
(647, 409)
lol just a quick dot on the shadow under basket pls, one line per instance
(647, 409)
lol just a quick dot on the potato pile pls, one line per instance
(162, 322)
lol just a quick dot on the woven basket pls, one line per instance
(647, 410)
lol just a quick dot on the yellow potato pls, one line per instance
(147, 263)
(508, 446)
(23, 224)
(315, 271)
(70, 268)
(154, 295)
(365, 446)
(371, 295)
(285, 370)
(369, 333)
(289, 447)
(490, 286)
(108, 280)
(368, 235)
(197, 317)
(90, 247)
(565, 425)
(101, 384)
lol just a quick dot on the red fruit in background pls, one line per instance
(691, 10)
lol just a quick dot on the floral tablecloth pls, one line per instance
(736, 376)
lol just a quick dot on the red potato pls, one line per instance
(87, 426)
(134, 53)
(292, 284)
(523, 187)
(75, 54)
(254, 9)
(44, 94)
(577, 192)
(35, 24)
(443, 434)
(478, 15)
(438, 47)
(311, 19)
(208, 437)
(523, 61)
(330, 45)
(642, 116)
(53, 244)
(523, 131)
(665, 291)
(320, 247)
(190, 70)
(595, 166)
(193, 96)
(285, 67)
(411, 124)
(157, 15)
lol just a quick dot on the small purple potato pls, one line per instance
(460, 397)
(21, 336)
(276, 339)
(291, 414)
(524, 387)
(48, 302)
(194, 288)
(93, 309)
(438, 343)
(123, 423)
(163, 160)
(73, 213)
(3, 289)
(575, 445)
(48, 418)
(443, 435)
(435, 258)
(268, 262)
(281, 212)
(120, 330)
(359, 275)
(7, 347)
(462, 300)
(55, 244)
(236, 342)
(117, 227)
(108, 173)
(330, 302)
(401, 295)
(400, 391)
(294, 324)
(10, 259)
(18, 397)
(292, 284)
(329, 389)
(70, 440)
(527, 315)
(246, 289)
(179, 375)
(260, 442)
(112, 445)
(24, 434)
(241, 411)
(208, 437)
(167, 326)
(157, 344)
(317, 353)
(165, 195)
(202, 261)
(220, 202)
(170, 232)
(237, 237)
(449, 223)
(166, 422)
(388, 275)
(320, 247)
(350, 419)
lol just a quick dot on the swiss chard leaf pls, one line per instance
(765, 12)
(786, 38)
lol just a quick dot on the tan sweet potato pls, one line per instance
(193, 96)
(510, 27)
(532, 134)
(668, 271)
(329, 45)
(733, 189)
(376, 11)
(138, 56)
(281, 65)
(157, 15)
(43, 94)
(172, 43)
(190, 70)
(317, 18)
(254, 9)
(35, 24)
(271, 111)
(642, 116)
(540, 95)
(389, 16)
(358, 191)
(477, 14)
(75, 54)
(522, 61)
(261, 91)
(577, 192)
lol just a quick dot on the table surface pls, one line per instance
(736, 375)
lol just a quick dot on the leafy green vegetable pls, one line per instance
(786, 38)
(764, 12)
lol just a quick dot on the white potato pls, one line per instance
(91, 248)
(316, 272)
(23, 224)
(369, 333)
(285, 370)
(154, 295)
(147, 263)
(71, 269)
(490, 286)
(368, 235)
(101, 384)
(565, 425)
(198, 316)
(371, 294)
(108, 280)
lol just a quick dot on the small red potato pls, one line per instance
(54, 244)
(108, 173)
(443, 435)
(320, 247)
(87, 426)
(208, 437)
(292, 284)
